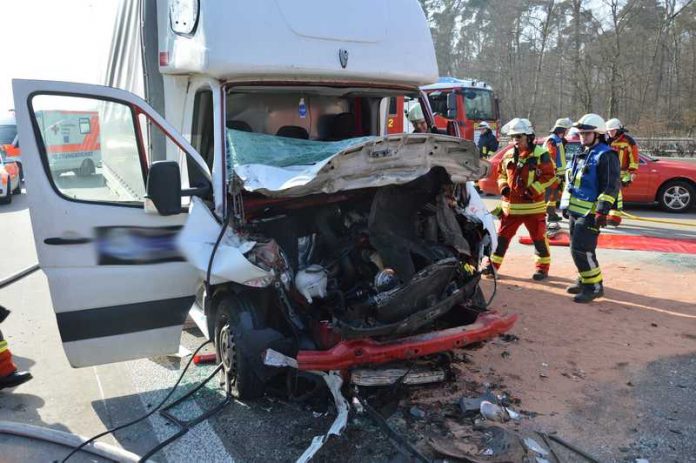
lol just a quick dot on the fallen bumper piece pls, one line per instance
(353, 353)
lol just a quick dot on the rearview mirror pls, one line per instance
(451, 105)
(164, 187)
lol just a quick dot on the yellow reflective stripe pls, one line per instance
(496, 259)
(538, 187)
(562, 165)
(3, 346)
(591, 272)
(540, 210)
(605, 197)
(614, 212)
(543, 260)
(502, 182)
(530, 177)
(592, 280)
(525, 205)
(581, 202)
(632, 165)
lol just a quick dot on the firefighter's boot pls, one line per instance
(589, 293)
(540, 275)
(551, 215)
(575, 288)
(15, 379)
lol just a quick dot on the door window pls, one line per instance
(90, 149)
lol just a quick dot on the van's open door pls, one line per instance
(119, 288)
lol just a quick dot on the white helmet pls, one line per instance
(415, 114)
(484, 125)
(614, 124)
(518, 126)
(563, 123)
(591, 123)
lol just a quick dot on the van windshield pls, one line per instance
(256, 148)
(283, 126)
(7, 134)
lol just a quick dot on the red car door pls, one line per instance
(644, 187)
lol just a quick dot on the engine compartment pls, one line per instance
(379, 262)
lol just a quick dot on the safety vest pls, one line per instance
(583, 187)
(556, 143)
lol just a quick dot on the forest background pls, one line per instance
(631, 59)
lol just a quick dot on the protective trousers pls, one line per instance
(7, 367)
(536, 225)
(583, 248)
(614, 217)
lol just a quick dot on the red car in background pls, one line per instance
(670, 183)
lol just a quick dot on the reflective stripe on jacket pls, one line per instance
(528, 174)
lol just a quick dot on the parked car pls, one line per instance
(9, 180)
(669, 183)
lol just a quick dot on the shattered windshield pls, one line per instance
(256, 148)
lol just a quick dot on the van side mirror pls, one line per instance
(164, 187)
(452, 105)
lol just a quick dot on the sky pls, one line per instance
(53, 40)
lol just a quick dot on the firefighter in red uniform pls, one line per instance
(524, 174)
(627, 149)
(555, 145)
(9, 376)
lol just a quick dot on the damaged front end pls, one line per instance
(368, 257)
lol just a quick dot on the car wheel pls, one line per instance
(676, 196)
(237, 373)
(86, 168)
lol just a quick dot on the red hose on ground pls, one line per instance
(628, 242)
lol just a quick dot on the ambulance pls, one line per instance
(71, 140)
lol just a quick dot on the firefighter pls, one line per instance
(416, 118)
(590, 193)
(9, 376)
(627, 149)
(524, 174)
(487, 143)
(555, 145)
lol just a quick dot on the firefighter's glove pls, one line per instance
(565, 214)
(600, 220)
(505, 191)
(625, 183)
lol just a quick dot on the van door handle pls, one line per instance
(66, 241)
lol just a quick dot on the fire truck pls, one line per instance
(467, 101)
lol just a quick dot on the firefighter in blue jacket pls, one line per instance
(591, 191)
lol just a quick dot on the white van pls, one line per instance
(307, 230)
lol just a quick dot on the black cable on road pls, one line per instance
(18, 276)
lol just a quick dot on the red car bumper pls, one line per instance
(348, 354)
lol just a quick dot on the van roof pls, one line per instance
(375, 41)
